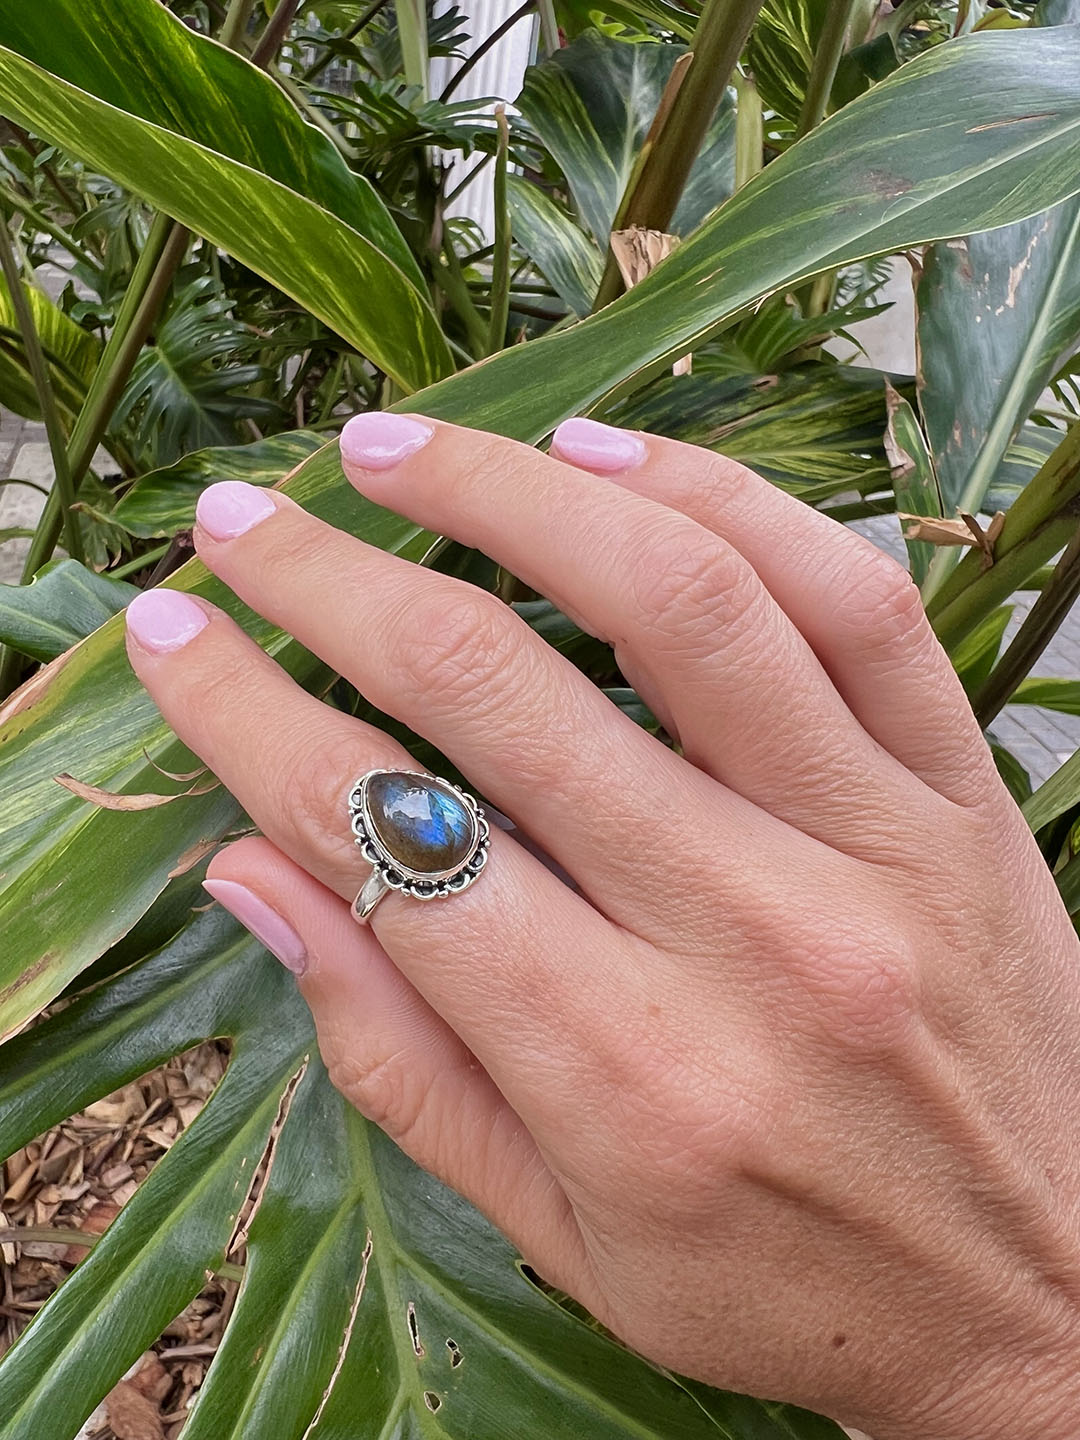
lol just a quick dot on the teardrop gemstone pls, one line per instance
(425, 826)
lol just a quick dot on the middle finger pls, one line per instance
(625, 816)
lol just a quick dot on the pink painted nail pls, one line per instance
(600, 448)
(230, 507)
(162, 620)
(263, 921)
(377, 439)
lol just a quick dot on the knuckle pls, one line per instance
(690, 586)
(310, 789)
(855, 991)
(878, 600)
(385, 1088)
(456, 646)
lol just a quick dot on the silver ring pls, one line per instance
(420, 834)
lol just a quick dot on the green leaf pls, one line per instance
(63, 604)
(814, 430)
(205, 136)
(914, 482)
(973, 658)
(163, 501)
(563, 254)
(973, 132)
(187, 390)
(978, 132)
(998, 313)
(1012, 772)
(781, 52)
(592, 103)
(372, 1296)
(1024, 457)
(88, 715)
(1050, 692)
(1054, 796)
(71, 352)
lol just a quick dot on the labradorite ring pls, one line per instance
(421, 835)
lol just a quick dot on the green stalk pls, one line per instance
(830, 48)
(673, 143)
(165, 247)
(138, 562)
(1039, 628)
(39, 371)
(451, 282)
(488, 43)
(42, 222)
(816, 298)
(236, 22)
(412, 32)
(749, 129)
(277, 28)
(1038, 524)
(500, 263)
(350, 34)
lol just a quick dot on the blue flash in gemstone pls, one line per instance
(421, 823)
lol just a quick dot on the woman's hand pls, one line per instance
(786, 1090)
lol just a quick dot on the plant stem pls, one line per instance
(1029, 642)
(350, 34)
(236, 22)
(500, 263)
(451, 281)
(412, 33)
(1042, 519)
(138, 562)
(276, 30)
(673, 143)
(161, 255)
(39, 371)
(485, 45)
(749, 129)
(830, 48)
(42, 222)
(816, 298)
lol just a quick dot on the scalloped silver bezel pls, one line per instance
(420, 885)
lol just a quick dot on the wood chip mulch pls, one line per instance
(74, 1179)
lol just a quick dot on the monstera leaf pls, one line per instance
(374, 1302)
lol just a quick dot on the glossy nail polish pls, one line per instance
(378, 440)
(162, 620)
(231, 507)
(603, 449)
(264, 922)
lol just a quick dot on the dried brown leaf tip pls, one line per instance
(638, 251)
(966, 530)
(109, 800)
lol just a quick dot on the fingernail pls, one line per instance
(230, 507)
(162, 620)
(265, 923)
(600, 448)
(377, 439)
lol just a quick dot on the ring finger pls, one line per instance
(520, 966)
